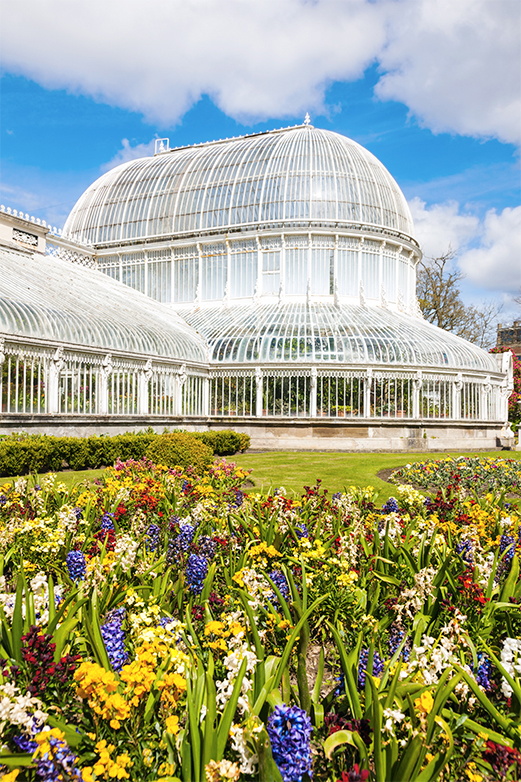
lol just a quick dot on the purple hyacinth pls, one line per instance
(279, 579)
(196, 571)
(59, 763)
(289, 729)
(25, 744)
(484, 672)
(465, 549)
(107, 521)
(76, 565)
(396, 636)
(302, 531)
(378, 666)
(206, 547)
(114, 638)
(185, 537)
(152, 538)
(239, 499)
(391, 506)
(506, 543)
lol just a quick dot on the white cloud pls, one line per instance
(441, 227)
(128, 152)
(488, 250)
(496, 263)
(455, 64)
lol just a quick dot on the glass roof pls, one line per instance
(289, 177)
(53, 299)
(347, 334)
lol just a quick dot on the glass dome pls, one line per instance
(293, 177)
(49, 298)
(346, 334)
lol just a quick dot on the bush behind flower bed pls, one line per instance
(182, 450)
(23, 454)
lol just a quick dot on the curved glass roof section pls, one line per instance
(280, 178)
(346, 334)
(53, 299)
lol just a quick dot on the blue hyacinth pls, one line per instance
(279, 579)
(484, 672)
(152, 538)
(302, 531)
(206, 547)
(107, 521)
(378, 667)
(58, 764)
(289, 729)
(185, 537)
(25, 744)
(506, 542)
(114, 639)
(465, 549)
(391, 506)
(196, 571)
(76, 565)
(239, 499)
(396, 637)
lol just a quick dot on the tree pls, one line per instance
(440, 302)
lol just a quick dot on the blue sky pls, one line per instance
(447, 132)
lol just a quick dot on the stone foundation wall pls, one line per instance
(276, 434)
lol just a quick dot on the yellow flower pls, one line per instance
(472, 775)
(238, 578)
(172, 724)
(214, 627)
(11, 776)
(425, 702)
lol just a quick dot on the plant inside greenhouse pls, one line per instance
(161, 624)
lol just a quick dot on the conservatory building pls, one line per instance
(285, 263)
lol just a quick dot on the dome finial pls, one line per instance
(307, 119)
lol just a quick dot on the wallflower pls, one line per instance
(424, 703)
(106, 767)
(99, 687)
(172, 724)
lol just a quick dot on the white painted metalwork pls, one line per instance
(48, 298)
(287, 177)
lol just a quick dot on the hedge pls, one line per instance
(183, 450)
(22, 453)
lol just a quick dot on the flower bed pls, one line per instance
(162, 625)
(473, 473)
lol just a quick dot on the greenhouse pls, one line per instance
(285, 262)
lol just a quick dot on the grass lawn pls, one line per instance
(295, 470)
(337, 470)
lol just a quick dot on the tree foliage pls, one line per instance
(441, 304)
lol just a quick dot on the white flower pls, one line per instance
(392, 716)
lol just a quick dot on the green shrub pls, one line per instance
(180, 450)
(23, 453)
(224, 442)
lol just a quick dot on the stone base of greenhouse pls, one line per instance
(274, 434)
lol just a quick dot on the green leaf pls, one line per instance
(336, 740)
(12, 760)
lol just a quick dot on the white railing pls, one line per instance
(41, 378)
(57, 379)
